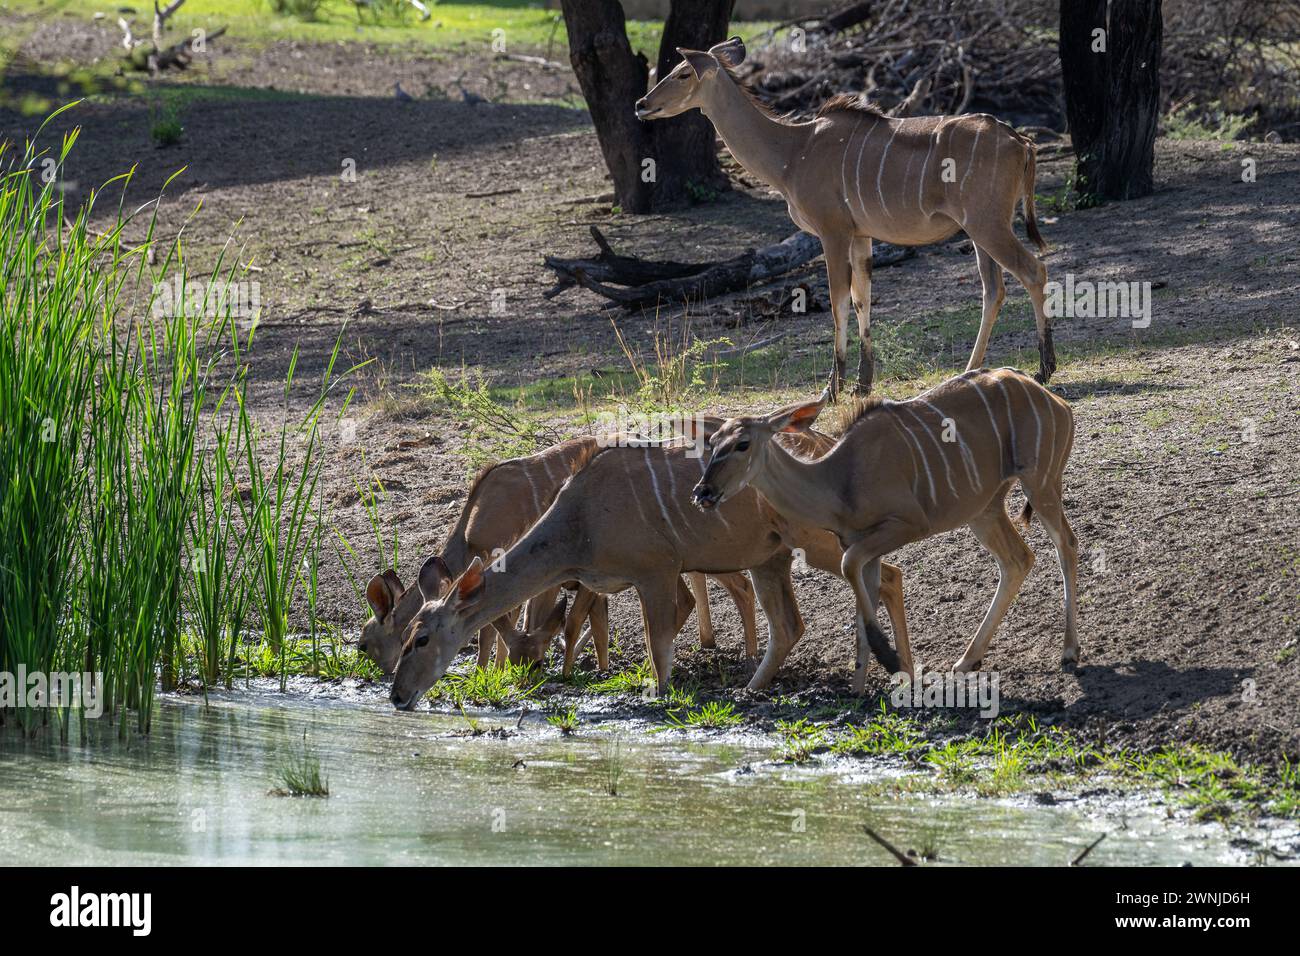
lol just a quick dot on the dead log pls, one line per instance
(609, 266)
(704, 280)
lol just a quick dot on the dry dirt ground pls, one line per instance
(1183, 483)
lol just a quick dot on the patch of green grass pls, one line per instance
(525, 25)
(800, 739)
(711, 715)
(630, 680)
(1211, 122)
(613, 765)
(886, 733)
(565, 721)
(299, 774)
(498, 687)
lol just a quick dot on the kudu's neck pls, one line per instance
(796, 488)
(762, 145)
(539, 560)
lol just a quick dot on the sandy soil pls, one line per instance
(1182, 487)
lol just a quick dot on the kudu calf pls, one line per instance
(904, 471)
(853, 174)
(503, 502)
(624, 520)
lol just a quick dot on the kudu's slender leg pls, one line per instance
(861, 260)
(600, 630)
(994, 294)
(830, 560)
(1001, 243)
(999, 536)
(661, 612)
(579, 611)
(891, 596)
(839, 272)
(700, 588)
(861, 568)
(781, 608)
(1046, 502)
(503, 649)
(742, 592)
(486, 638)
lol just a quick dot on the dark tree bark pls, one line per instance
(686, 150)
(613, 78)
(1112, 96)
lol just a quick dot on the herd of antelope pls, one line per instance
(737, 499)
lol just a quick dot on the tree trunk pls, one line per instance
(686, 146)
(613, 78)
(1112, 94)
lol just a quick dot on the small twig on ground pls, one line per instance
(1086, 850)
(902, 858)
(494, 192)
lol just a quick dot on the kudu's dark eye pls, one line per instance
(742, 445)
(422, 640)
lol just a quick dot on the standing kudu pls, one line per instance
(503, 502)
(904, 471)
(853, 174)
(624, 520)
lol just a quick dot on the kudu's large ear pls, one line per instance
(381, 595)
(796, 418)
(703, 64)
(470, 584)
(731, 52)
(435, 578)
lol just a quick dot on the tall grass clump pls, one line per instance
(125, 546)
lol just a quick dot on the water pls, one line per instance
(410, 788)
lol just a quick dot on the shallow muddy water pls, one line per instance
(413, 789)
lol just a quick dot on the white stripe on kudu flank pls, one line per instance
(880, 193)
(1038, 421)
(672, 492)
(970, 163)
(916, 471)
(636, 497)
(546, 464)
(654, 483)
(844, 164)
(938, 447)
(857, 171)
(532, 487)
(967, 459)
(920, 187)
(929, 476)
(1011, 422)
(979, 390)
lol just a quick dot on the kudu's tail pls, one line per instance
(1031, 218)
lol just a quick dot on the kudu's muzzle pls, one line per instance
(705, 496)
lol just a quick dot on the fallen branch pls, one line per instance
(649, 284)
(898, 854)
(1086, 850)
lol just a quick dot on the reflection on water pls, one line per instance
(405, 789)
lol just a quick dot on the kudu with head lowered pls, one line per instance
(503, 502)
(853, 174)
(624, 520)
(903, 471)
